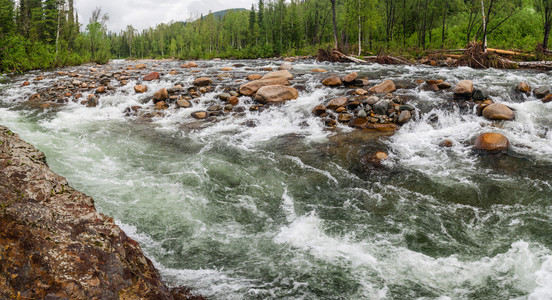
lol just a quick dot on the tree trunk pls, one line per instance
(484, 26)
(444, 23)
(334, 24)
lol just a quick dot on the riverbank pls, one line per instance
(54, 244)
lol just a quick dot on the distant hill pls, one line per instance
(220, 14)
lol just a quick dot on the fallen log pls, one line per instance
(353, 59)
(506, 52)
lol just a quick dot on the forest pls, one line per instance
(37, 34)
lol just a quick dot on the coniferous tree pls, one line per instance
(7, 24)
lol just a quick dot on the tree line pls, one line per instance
(43, 33)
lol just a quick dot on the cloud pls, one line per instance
(142, 14)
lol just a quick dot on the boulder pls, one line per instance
(404, 117)
(541, 92)
(286, 66)
(137, 67)
(464, 88)
(152, 76)
(319, 109)
(276, 94)
(252, 87)
(318, 70)
(547, 99)
(345, 117)
(498, 111)
(140, 88)
(337, 102)
(102, 89)
(387, 86)
(479, 95)
(203, 81)
(491, 142)
(160, 95)
(381, 107)
(349, 78)
(523, 87)
(200, 115)
(279, 74)
(183, 103)
(332, 81)
(233, 100)
(254, 77)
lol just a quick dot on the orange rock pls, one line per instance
(152, 76)
(332, 81)
(387, 86)
(491, 142)
(140, 88)
(254, 77)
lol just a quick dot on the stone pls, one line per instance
(54, 244)
(173, 72)
(140, 66)
(189, 65)
(224, 96)
(547, 99)
(161, 105)
(332, 81)
(362, 114)
(491, 142)
(276, 94)
(479, 95)
(140, 88)
(434, 82)
(279, 74)
(227, 69)
(498, 111)
(358, 123)
(382, 127)
(254, 77)
(429, 87)
(330, 123)
(200, 115)
(464, 88)
(26, 83)
(381, 107)
(252, 87)
(286, 66)
(387, 86)
(406, 107)
(318, 70)
(361, 92)
(337, 102)
(541, 92)
(444, 86)
(377, 158)
(446, 144)
(160, 95)
(319, 109)
(345, 117)
(152, 76)
(202, 81)
(404, 117)
(340, 109)
(183, 103)
(233, 100)
(372, 100)
(102, 89)
(349, 78)
(523, 87)
(214, 108)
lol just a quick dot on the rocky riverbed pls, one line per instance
(268, 179)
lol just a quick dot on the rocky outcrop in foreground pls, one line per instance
(55, 245)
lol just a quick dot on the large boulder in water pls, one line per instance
(523, 87)
(541, 92)
(152, 76)
(160, 95)
(203, 81)
(279, 74)
(337, 102)
(140, 89)
(332, 81)
(276, 94)
(464, 88)
(286, 66)
(498, 111)
(387, 86)
(491, 142)
(252, 87)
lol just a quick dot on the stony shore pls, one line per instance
(55, 245)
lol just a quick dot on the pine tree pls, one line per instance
(6, 16)
(49, 25)
(260, 20)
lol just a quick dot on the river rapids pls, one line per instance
(274, 205)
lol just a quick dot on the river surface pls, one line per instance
(288, 209)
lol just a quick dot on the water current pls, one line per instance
(288, 209)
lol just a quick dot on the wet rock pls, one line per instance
(349, 78)
(330, 123)
(224, 96)
(444, 86)
(352, 105)
(358, 123)
(275, 94)
(233, 100)
(381, 107)
(152, 76)
(382, 127)
(279, 74)
(319, 109)
(161, 105)
(286, 66)
(463, 89)
(406, 107)
(189, 65)
(541, 92)
(92, 101)
(102, 89)
(317, 70)
(226, 69)
(183, 103)
(479, 95)
(547, 99)
(362, 114)
(200, 115)
(498, 111)
(491, 142)
(345, 117)
(202, 81)
(26, 83)
(252, 87)
(160, 95)
(54, 244)
(387, 86)
(361, 92)
(140, 88)
(254, 77)
(332, 81)
(234, 93)
(446, 144)
(138, 67)
(404, 117)
(214, 108)
(340, 109)
(429, 87)
(372, 100)
(434, 81)
(523, 87)
(337, 102)
(483, 105)
(377, 158)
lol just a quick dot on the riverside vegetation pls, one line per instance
(42, 34)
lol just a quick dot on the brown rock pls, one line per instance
(254, 77)
(404, 117)
(102, 89)
(319, 109)
(173, 72)
(252, 87)
(361, 92)
(350, 77)
(491, 142)
(497, 111)
(140, 66)
(358, 123)
(160, 95)
(387, 86)
(332, 81)
(317, 70)
(345, 117)
(161, 105)
(276, 94)
(140, 88)
(464, 88)
(382, 127)
(26, 83)
(337, 102)
(233, 100)
(227, 69)
(279, 74)
(429, 87)
(547, 99)
(200, 115)
(189, 65)
(152, 76)
(444, 86)
(202, 81)
(446, 144)
(523, 87)
(340, 109)
(377, 158)
(183, 103)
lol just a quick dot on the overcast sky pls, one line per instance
(147, 13)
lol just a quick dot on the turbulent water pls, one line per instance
(288, 209)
